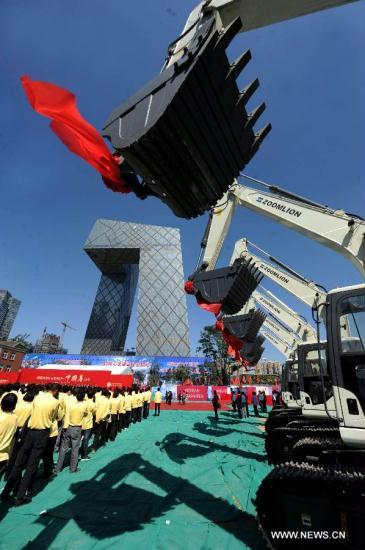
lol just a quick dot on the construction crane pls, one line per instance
(65, 326)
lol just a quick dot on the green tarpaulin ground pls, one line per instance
(177, 481)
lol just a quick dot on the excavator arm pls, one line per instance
(306, 291)
(336, 229)
(296, 323)
(254, 14)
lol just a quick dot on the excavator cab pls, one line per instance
(230, 286)
(245, 327)
(187, 133)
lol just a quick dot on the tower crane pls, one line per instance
(65, 326)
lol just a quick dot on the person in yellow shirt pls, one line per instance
(146, 402)
(139, 403)
(87, 425)
(134, 407)
(121, 411)
(114, 408)
(75, 413)
(44, 412)
(22, 411)
(101, 418)
(8, 426)
(128, 408)
(157, 399)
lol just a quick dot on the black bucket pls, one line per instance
(245, 327)
(187, 133)
(252, 351)
(230, 286)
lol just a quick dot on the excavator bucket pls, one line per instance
(252, 351)
(231, 286)
(245, 327)
(187, 133)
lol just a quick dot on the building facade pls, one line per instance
(48, 343)
(9, 307)
(11, 356)
(147, 257)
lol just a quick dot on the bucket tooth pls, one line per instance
(254, 115)
(228, 34)
(239, 64)
(247, 93)
(259, 138)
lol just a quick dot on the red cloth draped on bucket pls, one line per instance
(212, 308)
(234, 344)
(74, 131)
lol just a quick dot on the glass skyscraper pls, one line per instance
(9, 308)
(130, 255)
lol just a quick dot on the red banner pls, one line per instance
(194, 393)
(9, 378)
(222, 392)
(120, 380)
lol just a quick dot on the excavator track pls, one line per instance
(314, 505)
(280, 442)
(310, 448)
(280, 420)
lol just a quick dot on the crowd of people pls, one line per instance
(239, 402)
(37, 422)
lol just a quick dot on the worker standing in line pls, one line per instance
(114, 408)
(157, 400)
(101, 418)
(146, 404)
(128, 408)
(8, 426)
(87, 425)
(121, 412)
(134, 406)
(44, 412)
(23, 411)
(72, 438)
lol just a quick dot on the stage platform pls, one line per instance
(181, 480)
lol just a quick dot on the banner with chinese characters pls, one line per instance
(74, 377)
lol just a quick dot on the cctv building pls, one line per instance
(130, 255)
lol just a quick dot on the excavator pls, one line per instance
(335, 387)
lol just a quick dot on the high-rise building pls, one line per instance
(9, 308)
(48, 343)
(127, 254)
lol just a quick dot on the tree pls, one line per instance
(181, 373)
(23, 339)
(154, 374)
(139, 376)
(214, 348)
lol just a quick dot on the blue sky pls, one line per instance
(312, 78)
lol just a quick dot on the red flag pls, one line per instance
(73, 130)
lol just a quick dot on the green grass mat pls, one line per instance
(177, 481)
